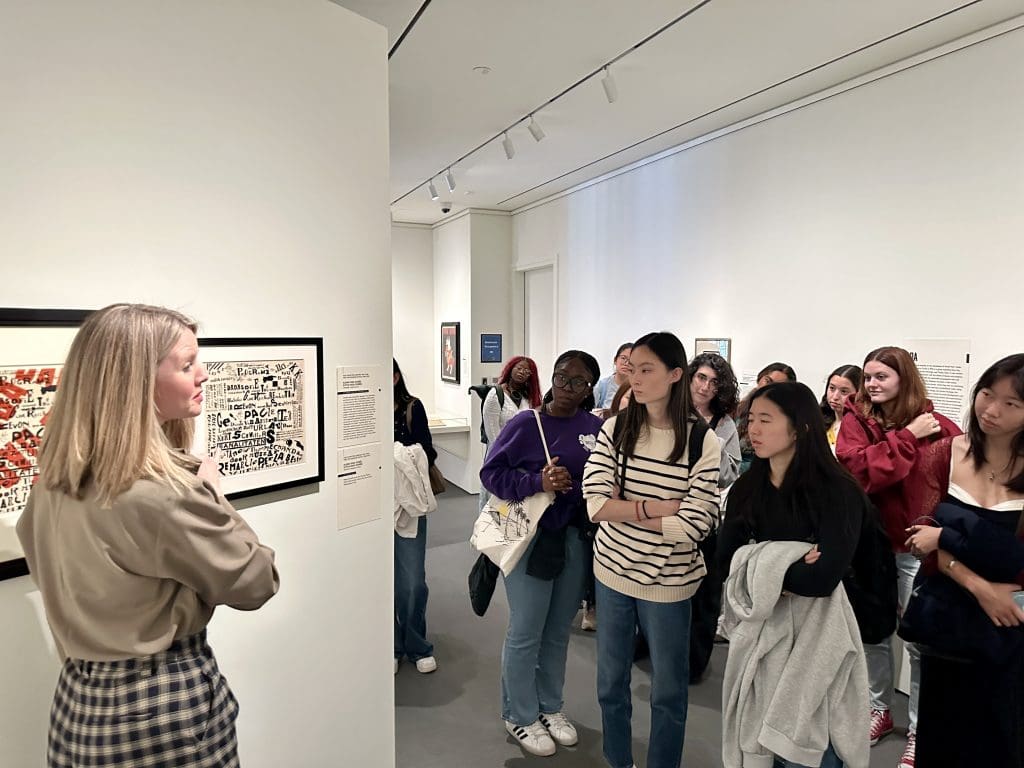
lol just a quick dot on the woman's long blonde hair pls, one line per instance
(103, 429)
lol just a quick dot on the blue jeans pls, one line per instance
(881, 659)
(537, 640)
(411, 595)
(829, 760)
(666, 626)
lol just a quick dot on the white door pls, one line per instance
(540, 321)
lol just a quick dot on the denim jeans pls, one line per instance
(880, 659)
(411, 595)
(829, 760)
(667, 629)
(537, 640)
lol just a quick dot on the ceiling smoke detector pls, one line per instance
(482, 70)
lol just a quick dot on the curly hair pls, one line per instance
(727, 397)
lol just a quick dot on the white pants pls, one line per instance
(880, 659)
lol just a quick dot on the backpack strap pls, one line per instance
(499, 392)
(695, 446)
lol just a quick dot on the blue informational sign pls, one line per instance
(490, 347)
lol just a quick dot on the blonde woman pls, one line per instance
(140, 527)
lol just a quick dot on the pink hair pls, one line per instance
(532, 386)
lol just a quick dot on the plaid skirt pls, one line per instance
(169, 710)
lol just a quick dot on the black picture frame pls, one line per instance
(451, 353)
(219, 355)
(47, 333)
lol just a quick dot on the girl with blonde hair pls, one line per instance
(141, 528)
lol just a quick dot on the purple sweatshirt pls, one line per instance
(515, 459)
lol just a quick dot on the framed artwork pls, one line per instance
(263, 413)
(490, 347)
(722, 347)
(450, 352)
(33, 346)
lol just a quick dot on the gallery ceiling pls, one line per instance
(681, 69)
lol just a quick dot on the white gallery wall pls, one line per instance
(228, 159)
(472, 285)
(892, 211)
(412, 296)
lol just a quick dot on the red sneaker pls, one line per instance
(907, 761)
(881, 725)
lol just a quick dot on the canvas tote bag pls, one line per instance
(504, 529)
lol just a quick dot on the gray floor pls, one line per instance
(452, 717)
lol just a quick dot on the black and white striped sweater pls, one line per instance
(661, 567)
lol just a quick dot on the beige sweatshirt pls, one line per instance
(128, 580)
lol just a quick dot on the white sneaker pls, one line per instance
(561, 730)
(426, 665)
(534, 738)
(397, 662)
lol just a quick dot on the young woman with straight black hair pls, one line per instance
(655, 503)
(795, 490)
(410, 586)
(770, 374)
(972, 699)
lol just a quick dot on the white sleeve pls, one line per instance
(491, 416)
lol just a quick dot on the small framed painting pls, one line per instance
(721, 347)
(450, 353)
(263, 413)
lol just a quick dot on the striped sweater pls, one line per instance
(661, 567)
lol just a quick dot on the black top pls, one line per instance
(420, 432)
(1007, 520)
(838, 508)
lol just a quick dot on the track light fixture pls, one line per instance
(535, 130)
(510, 149)
(611, 93)
(611, 90)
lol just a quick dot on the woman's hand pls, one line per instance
(998, 603)
(555, 479)
(925, 425)
(923, 540)
(813, 555)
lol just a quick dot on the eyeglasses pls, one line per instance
(703, 380)
(576, 383)
(622, 359)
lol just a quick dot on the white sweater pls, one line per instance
(413, 497)
(795, 678)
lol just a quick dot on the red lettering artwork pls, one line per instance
(26, 396)
(12, 391)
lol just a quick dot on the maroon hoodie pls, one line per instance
(888, 465)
